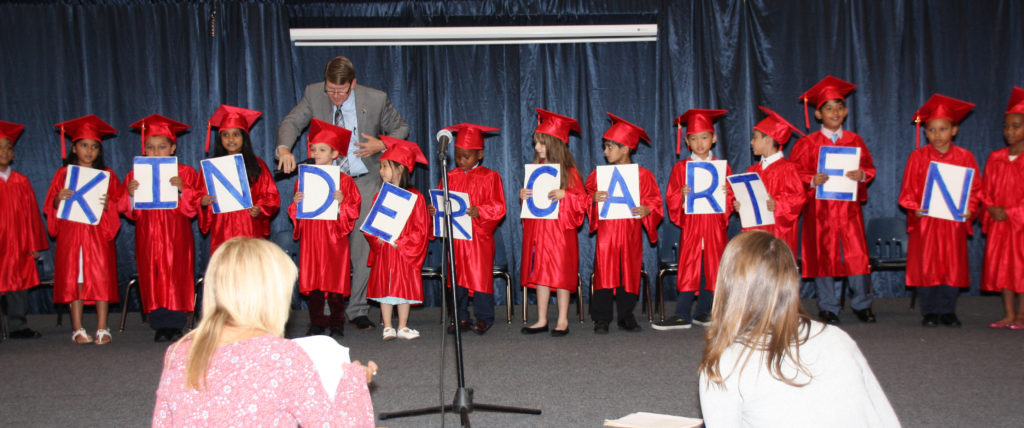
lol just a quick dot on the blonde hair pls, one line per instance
(557, 151)
(248, 284)
(757, 304)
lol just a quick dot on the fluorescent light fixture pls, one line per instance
(511, 35)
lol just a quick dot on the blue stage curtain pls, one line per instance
(124, 59)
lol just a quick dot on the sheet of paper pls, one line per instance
(318, 184)
(947, 190)
(85, 205)
(542, 179)
(753, 197)
(836, 161)
(389, 213)
(155, 190)
(461, 222)
(622, 182)
(706, 179)
(653, 420)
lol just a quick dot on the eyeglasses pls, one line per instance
(344, 91)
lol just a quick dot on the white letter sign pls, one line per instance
(227, 183)
(88, 185)
(542, 179)
(462, 224)
(155, 191)
(836, 161)
(705, 179)
(622, 182)
(947, 190)
(749, 190)
(389, 213)
(318, 184)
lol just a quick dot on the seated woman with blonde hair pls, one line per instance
(766, 363)
(236, 369)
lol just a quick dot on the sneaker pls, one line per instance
(389, 334)
(674, 323)
(702, 319)
(601, 327)
(408, 334)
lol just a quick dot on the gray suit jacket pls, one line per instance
(376, 117)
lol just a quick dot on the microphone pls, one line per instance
(444, 136)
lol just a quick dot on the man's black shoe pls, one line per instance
(865, 315)
(363, 323)
(314, 330)
(828, 317)
(950, 320)
(600, 327)
(930, 320)
(629, 324)
(25, 333)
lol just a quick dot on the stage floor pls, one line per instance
(970, 376)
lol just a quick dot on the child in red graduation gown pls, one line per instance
(550, 257)
(781, 176)
(1003, 218)
(395, 269)
(702, 236)
(86, 262)
(618, 259)
(833, 231)
(22, 236)
(164, 247)
(474, 259)
(937, 249)
(325, 274)
(233, 125)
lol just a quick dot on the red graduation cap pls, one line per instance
(776, 126)
(1016, 104)
(696, 120)
(404, 152)
(11, 131)
(625, 133)
(156, 124)
(91, 127)
(941, 107)
(829, 88)
(556, 125)
(334, 136)
(470, 136)
(228, 117)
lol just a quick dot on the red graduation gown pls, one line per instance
(937, 251)
(829, 225)
(618, 258)
(551, 252)
(474, 260)
(99, 259)
(703, 236)
(21, 232)
(324, 261)
(395, 271)
(783, 182)
(1004, 248)
(222, 227)
(164, 247)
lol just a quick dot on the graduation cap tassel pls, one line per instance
(807, 119)
(917, 121)
(63, 148)
(143, 139)
(207, 137)
(679, 137)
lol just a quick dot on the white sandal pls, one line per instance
(99, 336)
(80, 332)
(389, 334)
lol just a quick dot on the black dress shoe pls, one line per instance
(337, 331)
(161, 335)
(930, 320)
(174, 334)
(362, 323)
(464, 326)
(600, 327)
(629, 324)
(828, 317)
(559, 333)
(534, 330)
(314, 330)
(481, 327)
(25, 333)
(865, 315)
(950, 320)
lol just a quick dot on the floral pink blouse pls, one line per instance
(263, 381)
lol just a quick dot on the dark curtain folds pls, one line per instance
(123, 60)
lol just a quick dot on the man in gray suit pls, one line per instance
(367, 113)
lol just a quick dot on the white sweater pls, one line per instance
(842, 391)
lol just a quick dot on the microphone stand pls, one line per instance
(463, 402)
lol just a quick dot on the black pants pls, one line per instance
(601, 304)
(684, 301)
(483, 305)
(335, 301)
(166, 318)
(938, 300)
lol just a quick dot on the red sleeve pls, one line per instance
(651, 198)
(192, 190)
(348, 208)
(867, 164)
(292, 212)
(789, 195)
(573, 208)
(265, 196)
(591, 188)
(674, 193)
(124, 204)
(56, 185)
(412, 244)
(806, 158)
(491, 205)
(110, 222)
(913, 185)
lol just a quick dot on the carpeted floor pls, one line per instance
(970, 376)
